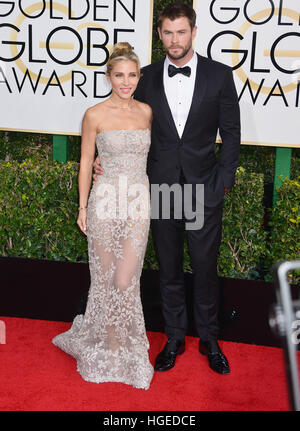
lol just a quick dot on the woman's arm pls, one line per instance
(88, 139)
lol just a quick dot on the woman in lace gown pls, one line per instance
(109, 341)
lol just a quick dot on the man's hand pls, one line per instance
(97, 169)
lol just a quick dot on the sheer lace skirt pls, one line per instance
(109, 341)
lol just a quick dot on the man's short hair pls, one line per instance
(177, 10)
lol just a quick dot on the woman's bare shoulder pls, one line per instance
(95, 110)
(144, 106)
(95, 114)
(147, 110)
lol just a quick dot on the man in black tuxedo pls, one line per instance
(191, 97)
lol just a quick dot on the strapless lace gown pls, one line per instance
(109, 341)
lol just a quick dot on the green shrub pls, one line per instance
(20, 146)
(244, 239)
(38, 210)
(285, 223)
(261, 160)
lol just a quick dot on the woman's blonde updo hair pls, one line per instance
(122, 51)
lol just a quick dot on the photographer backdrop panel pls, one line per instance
(260, 39)
(53, 56)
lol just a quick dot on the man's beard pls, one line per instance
(179, 56)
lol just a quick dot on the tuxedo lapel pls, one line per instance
(199, 91)
(162, 105)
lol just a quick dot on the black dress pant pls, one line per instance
(203, 244)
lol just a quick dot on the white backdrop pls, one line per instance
(53, 55)
(267, 35)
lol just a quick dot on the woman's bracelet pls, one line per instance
(82, 208)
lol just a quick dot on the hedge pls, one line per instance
(285, 223)
(38, 210)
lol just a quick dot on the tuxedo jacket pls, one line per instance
(214, 107)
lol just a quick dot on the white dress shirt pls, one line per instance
(179, 91)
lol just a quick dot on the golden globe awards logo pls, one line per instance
(265, 48)
(260, 41)
(53, 57)
(51, 44)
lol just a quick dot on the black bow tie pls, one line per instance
(172, 70)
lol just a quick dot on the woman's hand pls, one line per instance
(97, 169)
(81, 221)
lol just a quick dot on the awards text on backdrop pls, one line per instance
(87, 41)
(58, 50)
(260, 40)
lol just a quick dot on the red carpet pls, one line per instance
(35, 375)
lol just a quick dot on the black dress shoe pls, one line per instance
(166, 358)
(217, 360)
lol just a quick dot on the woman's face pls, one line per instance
(124, 78)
